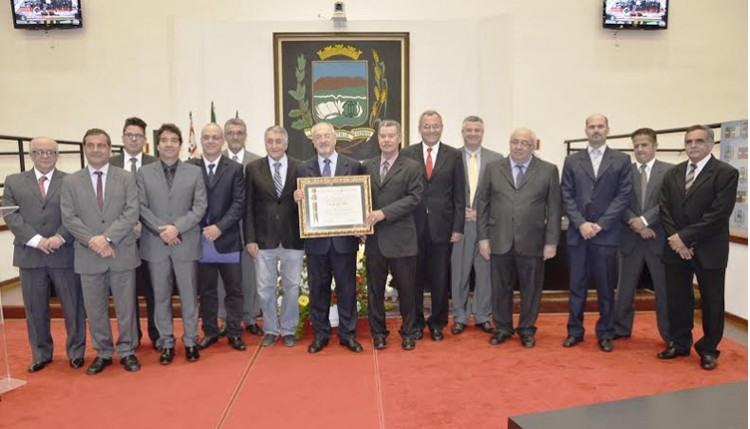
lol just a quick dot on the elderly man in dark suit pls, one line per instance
(173, 201)
(397, 188)
(133, 141)
(440, 219)
(43, 253)
(465, 256)
(221, 240)
(235, 134)
(332, 258)
(99, 206)
(519, 212)
(697, 198)
(642, 241)
(272, 235)
(596, 186)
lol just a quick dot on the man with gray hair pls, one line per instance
(235, 134)
(465, 257)
(519, 212)
(43, 253)
(272, 235)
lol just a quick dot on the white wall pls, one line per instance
(545, 65)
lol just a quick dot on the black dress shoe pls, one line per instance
(528, 341)
(38, 366)
(192, 354)
(408, 344)
(486, 327)
(436, 334)
(672, 352)
(205, 342)
(709, 362)
(606, 345)
(223, 330)
(499, 338)
(130, 363)
(98, 365)
(237, 343)
(379, 343)
(570, 341)
(420, 334)
(167, 355)
(352, 344)
(254, 330)
(317, 345)
(458, 328)
(76, 363)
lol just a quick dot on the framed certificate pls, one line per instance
(334, 206)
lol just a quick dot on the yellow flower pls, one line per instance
(303, 300)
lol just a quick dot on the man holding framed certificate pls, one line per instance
(331, 258)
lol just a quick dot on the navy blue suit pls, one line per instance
(332, 258)
(600, 199)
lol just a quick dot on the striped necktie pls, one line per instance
(690, 177)
(277, 183)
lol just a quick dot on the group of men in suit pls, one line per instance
(439, 214)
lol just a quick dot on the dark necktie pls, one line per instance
(211, 175)
(277, 178)
(41, 186)
(234, 158)
(169, 172)
(428, 163)
(690, 177)
(326, 167)
(519, 175)
(99, 190)
(133, 162)
(644, 186)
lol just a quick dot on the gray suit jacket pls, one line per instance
(36, 216)
(82, 217)
(486, 156)
(524, 219)
(398, 196)
(650, 211)
(182, 206)
(248, 157)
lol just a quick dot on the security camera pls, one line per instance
(339, 15)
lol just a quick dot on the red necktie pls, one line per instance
(428, 165)
(41, 186)
(99, 190)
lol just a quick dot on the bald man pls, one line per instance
(518, 212)
(43, 252)
(221, 241)
(596, 186)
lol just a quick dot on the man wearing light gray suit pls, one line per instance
(519, 209)
(43, 253)
(99, 206)
(465, 256)
(173, 201)
(235, 133)
(643, 241)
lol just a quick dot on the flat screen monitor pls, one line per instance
(635, 14)
(46, 14)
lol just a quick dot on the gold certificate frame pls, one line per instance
(334, 206)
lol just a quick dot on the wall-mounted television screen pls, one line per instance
(635, 14)
(46, 14)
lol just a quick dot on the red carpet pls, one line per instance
(460, 382)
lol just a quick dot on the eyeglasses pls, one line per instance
(134, 137)
(40, 153)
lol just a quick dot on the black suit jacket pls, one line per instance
(226, 202)
(701, 216)
(444, 200)
(345, 166)
(119, 161)
(397, 196)
(271, 220)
